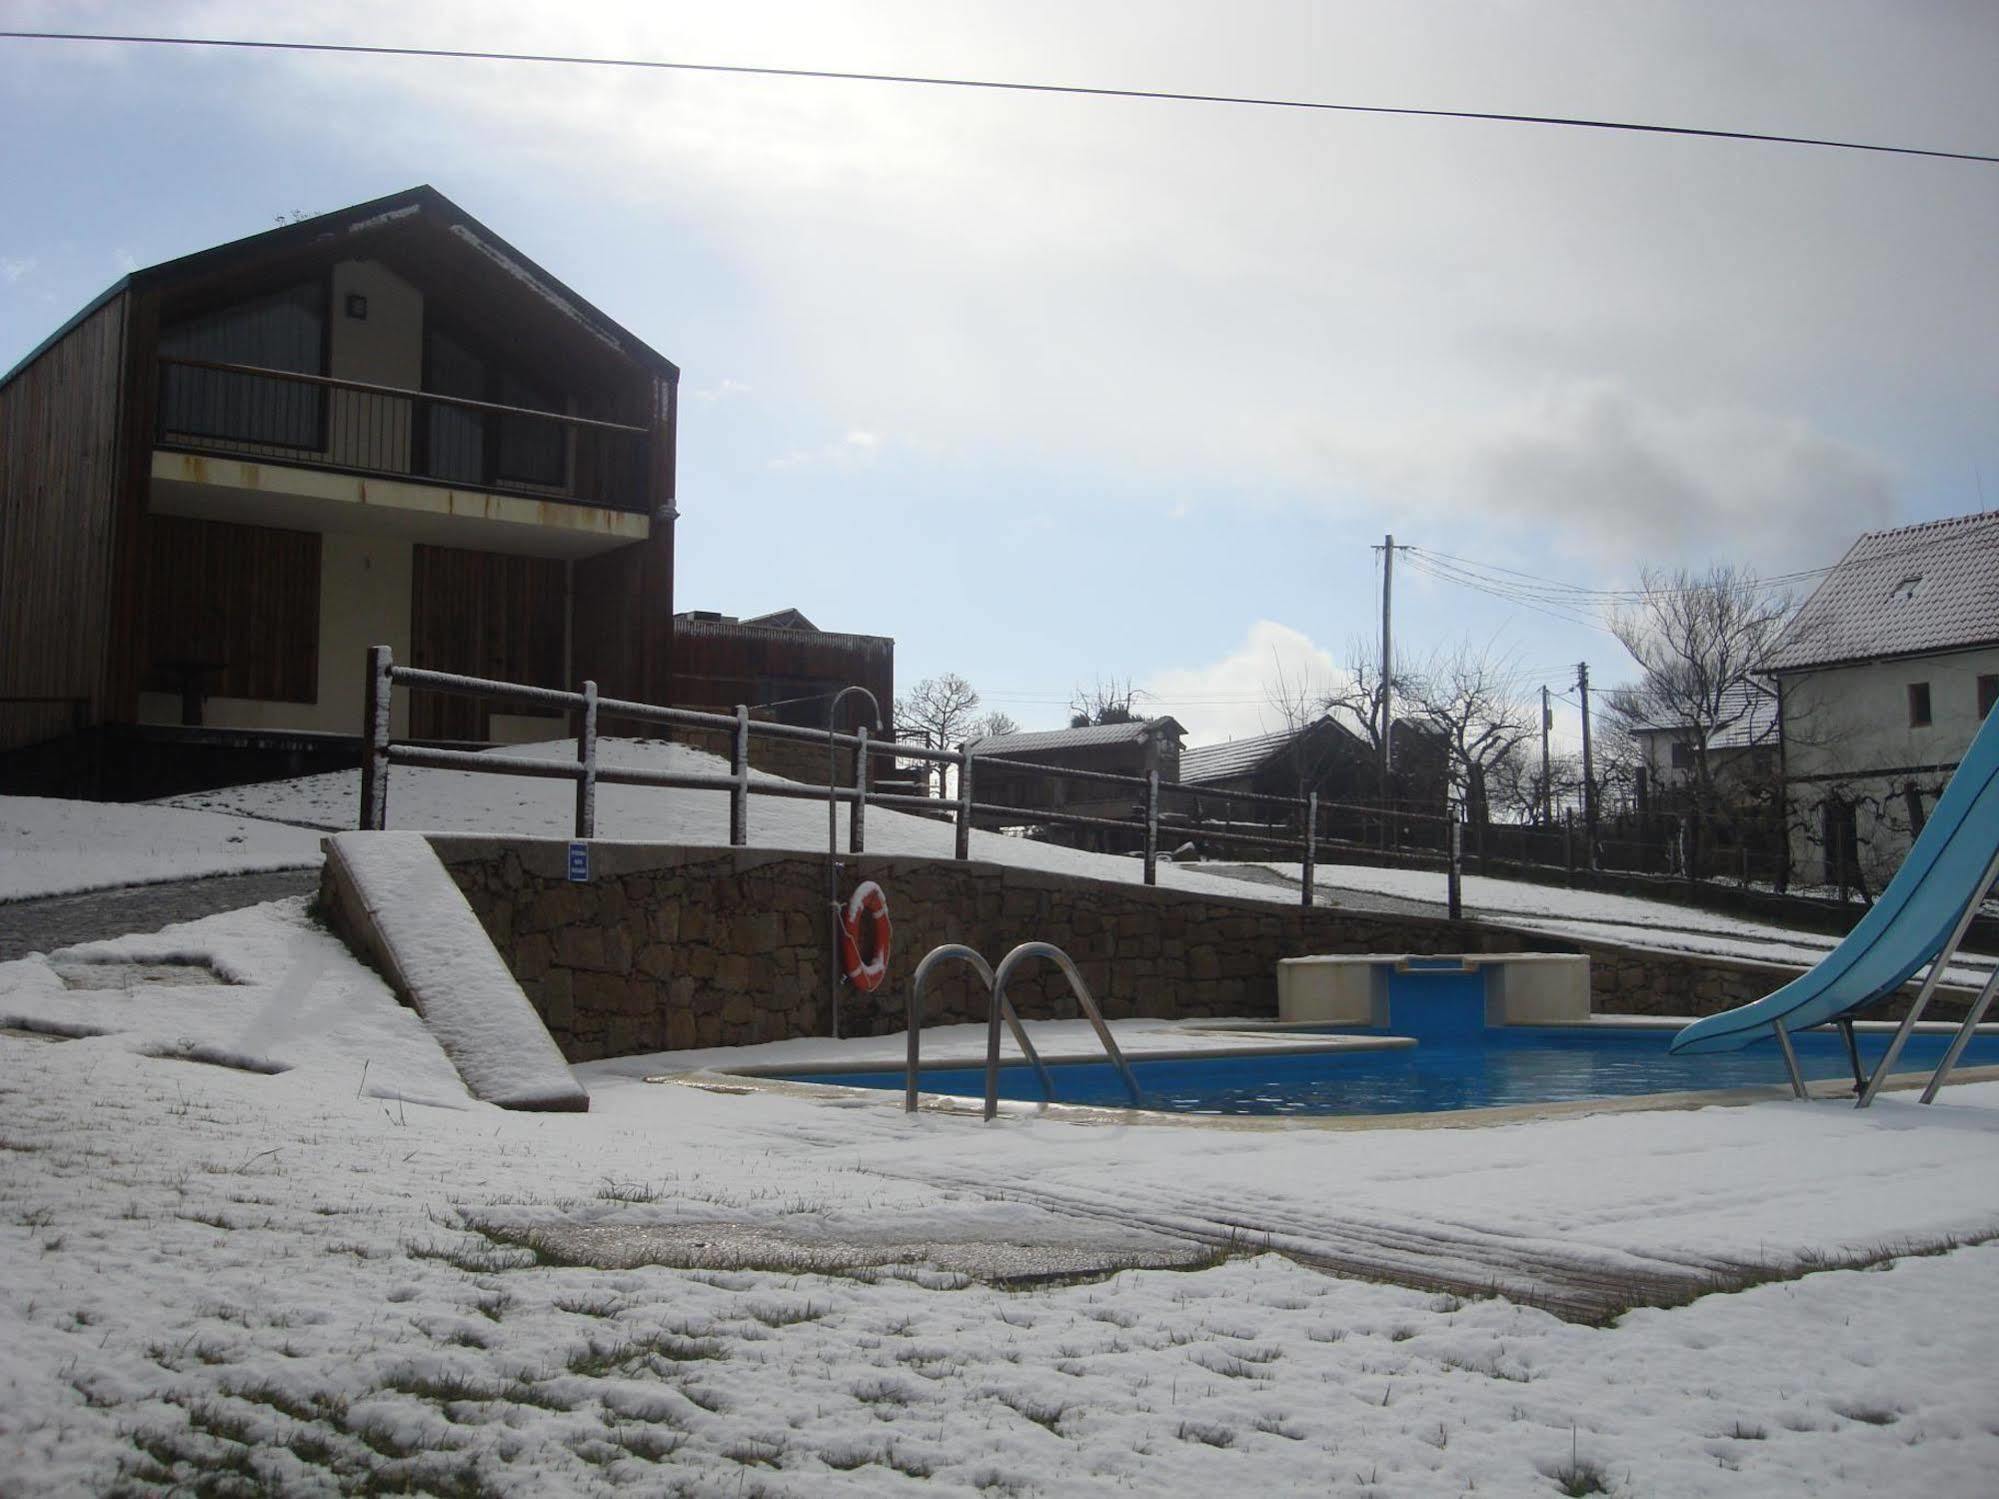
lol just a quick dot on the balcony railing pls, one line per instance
(349, 426)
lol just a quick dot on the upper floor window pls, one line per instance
(1683, 754)
(1988, 694)
(1919, 705)
(283, 330)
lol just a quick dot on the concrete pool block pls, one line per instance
(1521, 988)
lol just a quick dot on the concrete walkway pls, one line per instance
(55, 921)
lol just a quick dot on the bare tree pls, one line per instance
(1471, 697)
(993, 725)
(1356, 701)
(1697, 639)
(1107, 702)
(939, 712)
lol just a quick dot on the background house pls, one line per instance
(1321, 756)
(233, 472)
(1883, 677)
(1129, 749)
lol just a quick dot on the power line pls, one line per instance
(467, 54)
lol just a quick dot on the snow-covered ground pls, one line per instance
(53, 847)
(313, 1280)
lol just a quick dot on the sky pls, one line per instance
(1056, 390)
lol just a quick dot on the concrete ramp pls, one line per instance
(393, 901)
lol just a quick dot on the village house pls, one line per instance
(1882, 679)
(1123, 749)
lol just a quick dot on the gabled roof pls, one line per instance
(1209, 763)
(1915, 590)
(454, 239)
(1748, 716)
(1026, 746)
(782, 619)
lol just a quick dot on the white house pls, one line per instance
(1882, 679)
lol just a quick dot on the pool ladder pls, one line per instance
(1001, 1008)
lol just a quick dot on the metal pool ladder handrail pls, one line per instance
(1077, 987)
(931, 961)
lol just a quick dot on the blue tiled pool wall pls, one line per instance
(1486, 1068)
(1436, 1000)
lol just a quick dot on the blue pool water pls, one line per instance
(1456, 1068)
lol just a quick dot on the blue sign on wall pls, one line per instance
(579, 863)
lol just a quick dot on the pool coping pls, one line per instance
(786, 1080)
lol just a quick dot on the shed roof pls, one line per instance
(1915, 590)
(1209, 763)
(1025, 746)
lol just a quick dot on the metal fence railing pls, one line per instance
(350, 426)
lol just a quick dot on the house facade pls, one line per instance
(1882, 679)
(233, 472)
(1124, 749)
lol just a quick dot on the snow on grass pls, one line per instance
(287, 1283)
(54, 847)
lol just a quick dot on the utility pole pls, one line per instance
(1547, 788)
(1589, 766)
(1387, 660)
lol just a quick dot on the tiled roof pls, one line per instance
(1910, 591)
(1026, 746)
(1748, 716)
(1219, 762)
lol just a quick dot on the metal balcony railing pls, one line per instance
(349, 426)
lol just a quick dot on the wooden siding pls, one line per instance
(484, 615)
(719, 663)
(59, 472)
(240, 601)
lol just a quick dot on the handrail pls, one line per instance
(931, 961)
(1077, 987)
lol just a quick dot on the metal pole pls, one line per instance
(1930, 981)
(1455, 885)
(833, 925)
(1589, 767)
(739, 794)
(1790, 1059)
(964, 843)
(586, 756)
(1311, 847)
(379, 693)
(1569, 841)
(1547, 785)
(857, 818)
(1963, 1037)
(1152, 827)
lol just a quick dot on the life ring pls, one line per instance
(864, 931)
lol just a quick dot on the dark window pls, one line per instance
(1988, 695)
(284, 330)
(1683, 754)
(531, 450)
(1919, 705)
(454, 438)
(477, 447)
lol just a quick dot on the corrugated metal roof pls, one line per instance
(1748, 716)
(1910, 591)
(1026, 746)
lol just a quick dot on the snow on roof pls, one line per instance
(1028, 745)
(1911, 591)
(1219, 762)
(782, 619)
(1748, 716)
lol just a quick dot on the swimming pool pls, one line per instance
(1452, 1070)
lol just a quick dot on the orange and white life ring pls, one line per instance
(864, 931)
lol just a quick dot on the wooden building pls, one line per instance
(1126, 749)
(233, 472)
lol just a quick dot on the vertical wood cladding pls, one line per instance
(239, 603)
(59, 468)
(482, 614)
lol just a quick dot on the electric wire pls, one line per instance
(469, 54)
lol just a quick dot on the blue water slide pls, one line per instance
(1908, 926)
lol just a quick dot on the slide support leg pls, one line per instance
(1790, 1058)
(1853, 1054)
(1962, 1039)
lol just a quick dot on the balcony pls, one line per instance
(315, 422)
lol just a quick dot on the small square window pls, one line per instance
(1683, 754)
(1988, 694)
(1919, 705)
(357, 307)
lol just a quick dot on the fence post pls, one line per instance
(379, 692)
(964, 844)
(1152, 827)
(586, 756)
(1569, 842)
(1311, 846)
(1455, 890)
(739, 794)
(857, 818)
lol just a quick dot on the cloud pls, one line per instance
(13, 271)
(1242, 694)
(722, 390)
(855, 450)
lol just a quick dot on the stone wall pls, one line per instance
(678, 947)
